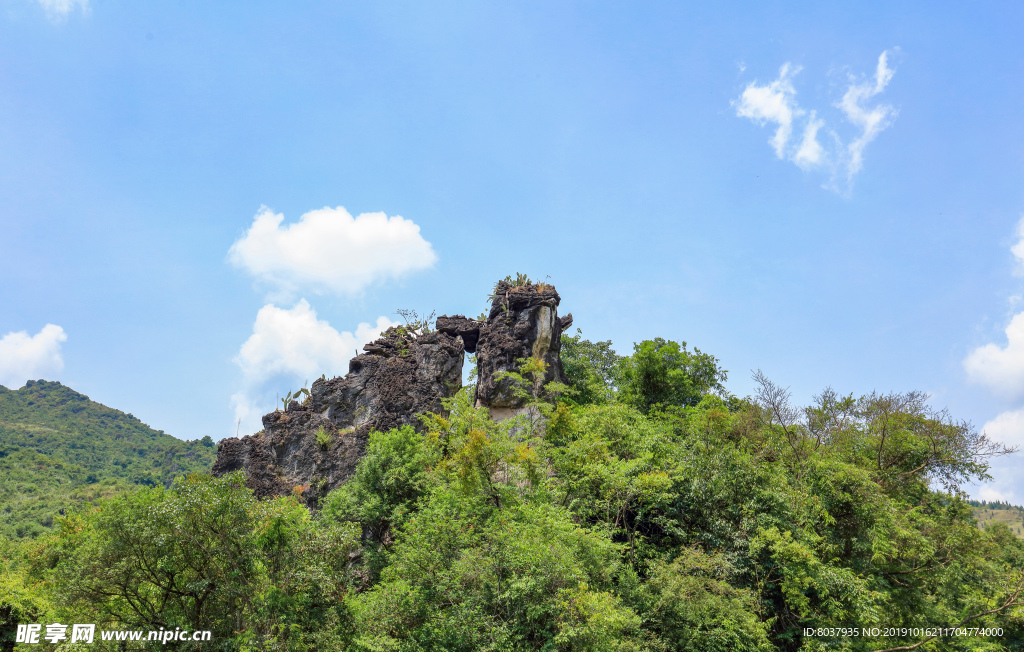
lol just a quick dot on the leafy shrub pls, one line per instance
(323, 438)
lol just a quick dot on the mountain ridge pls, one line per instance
(59, 448)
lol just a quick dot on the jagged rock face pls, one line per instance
(401, 376)
(398, 378)
(523, 322)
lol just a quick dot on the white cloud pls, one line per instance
(24, 357)
(293, 344)
(296, 342)
(993, 494)
(811, 153)
(871, 121)
(776, 103)
(58, 10)
(1000, 367)
(772, 103)
(1007, 428)
(328, 250)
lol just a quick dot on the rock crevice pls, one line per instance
(523, 322)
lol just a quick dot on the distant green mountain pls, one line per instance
(58, 448)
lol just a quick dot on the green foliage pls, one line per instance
(204, 554)
(691, 605)
(521, 280)
(663, 372)
(414, 324)
(386, 488)
(507, 570)
(527, 382)
(595, 620)
(323, 438)
(289, 397)
(590, 368)
(22, 600)
(59, 449)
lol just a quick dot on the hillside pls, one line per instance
(58, 448)
(999, 512)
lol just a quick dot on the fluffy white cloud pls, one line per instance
(328, 250)
(993, 494)
(872, 120)
(293, 344)
(24, 357)
(774, 102)
(58, 10)
(1000, 367)
(1007, 428)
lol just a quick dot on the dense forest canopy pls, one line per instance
(638, 507)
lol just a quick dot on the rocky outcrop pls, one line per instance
(314, 446)
(523, 322)
(402, 375)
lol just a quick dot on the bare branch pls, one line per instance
(775, 401)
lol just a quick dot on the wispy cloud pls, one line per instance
(871, 120)
(292, 345)
(775, 103)
(810, 153)
(329, 251)
(59, 10)
(24, 357)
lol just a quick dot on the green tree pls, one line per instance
(663, 372)
(468, 576)
(387, 487)
(204, 554)
(22, 599)
(691, 606)
(590, 368)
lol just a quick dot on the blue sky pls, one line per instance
(203, 205)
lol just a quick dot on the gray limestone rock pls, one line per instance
(523, 322)
(401, 376)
